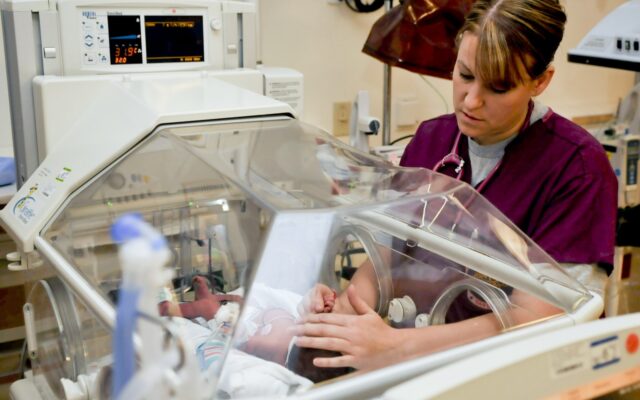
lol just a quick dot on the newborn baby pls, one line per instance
(266, 327)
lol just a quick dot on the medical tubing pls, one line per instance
(168, 365)
(144, 381)
(142, 252)
(124, 362)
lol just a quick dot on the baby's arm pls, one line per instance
(274, 334)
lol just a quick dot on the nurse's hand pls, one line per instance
(320, 299)
(364, 339)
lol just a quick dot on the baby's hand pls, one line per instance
(320, 299)
(329, 301)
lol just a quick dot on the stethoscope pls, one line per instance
(454, 160)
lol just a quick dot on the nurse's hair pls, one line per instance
(517, 39)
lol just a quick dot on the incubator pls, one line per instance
(257, 209)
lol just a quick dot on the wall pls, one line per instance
(324, 41)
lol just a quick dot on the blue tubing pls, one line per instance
(124, 355)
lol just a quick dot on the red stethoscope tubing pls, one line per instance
(454, 159)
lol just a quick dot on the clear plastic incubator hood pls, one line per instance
(256, 212)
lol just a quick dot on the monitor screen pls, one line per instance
(175, 38)
(125, 42)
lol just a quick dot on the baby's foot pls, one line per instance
(201, 287)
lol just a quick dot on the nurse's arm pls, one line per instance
(352, 335)
(366, 284)
(441, 337)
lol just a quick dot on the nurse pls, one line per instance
(545, 173)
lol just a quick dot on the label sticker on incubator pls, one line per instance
(62, 175)
(48, 190)
(569, 360)
(605, 352)
(43, 172)
(25, 208)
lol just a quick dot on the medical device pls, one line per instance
(624, 153)
(257, 208)
(597, 360)
(97, 37)
(614, 42)
(361, 123)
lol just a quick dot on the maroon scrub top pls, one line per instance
(555, 183)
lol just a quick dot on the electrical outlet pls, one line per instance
(341, 115)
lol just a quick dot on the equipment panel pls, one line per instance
(117, 38)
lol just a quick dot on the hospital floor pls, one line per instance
(9, 365)
(4, 391)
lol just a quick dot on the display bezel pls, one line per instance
(100, 56)
(125, 41)
(158, 50)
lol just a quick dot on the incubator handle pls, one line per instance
(30, 329)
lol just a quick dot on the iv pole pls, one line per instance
(386, 103)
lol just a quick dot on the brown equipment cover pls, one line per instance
(419, 35)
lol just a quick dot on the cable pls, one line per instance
(446, 105)
(444, 101)
(401, 139)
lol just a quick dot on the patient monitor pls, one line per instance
(70, 38)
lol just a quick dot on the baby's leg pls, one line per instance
(206, 304)
(201, 288)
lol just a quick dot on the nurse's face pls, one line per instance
(486, 113)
